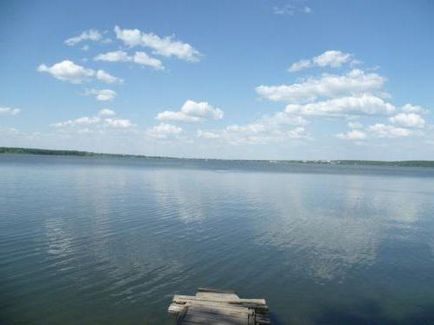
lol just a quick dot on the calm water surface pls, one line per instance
(93, 240)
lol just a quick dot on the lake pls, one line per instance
(110, 240)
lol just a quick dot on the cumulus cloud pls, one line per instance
(192, 111)
(409, 108)
(118, 123)
(81, 121)
(352, 135)
(388, 131)
(164, 46)
(107, 77)
(331, 58)
(278, 127)
(106, 112)
(9, 111)
(141, 58)
(328, 85)
(102, 94)
(88, 35)
(365, 104)
(67, 70)
(409, 120)
(103, 120)
(113, 56)
(164, 131)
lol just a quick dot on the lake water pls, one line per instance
(110, 240)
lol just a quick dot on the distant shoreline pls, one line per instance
(77, 153)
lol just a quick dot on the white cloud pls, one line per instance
(292, 8)
(106, 112)
(144, 59)
(192, 111)
(67, 70)
(409, 120)
(328, 85)
(164, 130)
(9, 111)
(81, 121)
(88, 35)
(107, 77)
(207, 135)
(352, 135)
(118, 123)
(300, 65)
(102, 94)
(114, 56)
(388, 131)
(353, 105)
(165, 46)
(278, 127)
(103, 120)
(409, 108)
(141, 58)
(331, 58)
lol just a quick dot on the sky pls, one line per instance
(257, 79)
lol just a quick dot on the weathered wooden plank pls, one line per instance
(238, 301)
(217, 296)
(216, 307)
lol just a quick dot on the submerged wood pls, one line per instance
(223, 307)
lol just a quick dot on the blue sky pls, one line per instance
(221, 79)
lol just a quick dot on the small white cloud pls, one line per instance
(88, 35)
(144, 59)
(352, 135)
(89, 124)
(164, 131)
(165, 46)
(331, 58)
(409, 120)
(9, 111)
(328, 85)
(85, 47)
(141, 58)
(389, 131)
(114, 56)
(300, 65)
(292, 8)
(409, 108)
(107, 77)
(67, 70)
(102, 94)
(118, 123)
(353, 105)
(207, 135)
(81, 121)
(192, 111)
(106, 112)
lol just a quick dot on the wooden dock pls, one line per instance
(210, 306)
